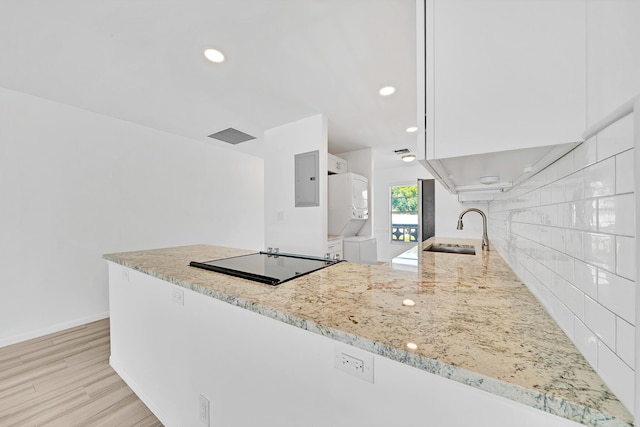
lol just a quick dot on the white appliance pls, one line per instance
(348, 203)
(361, 249)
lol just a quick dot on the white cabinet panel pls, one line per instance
(336, 164)
(502, 75)
(613, 60)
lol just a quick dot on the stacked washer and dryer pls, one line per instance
(348, 211)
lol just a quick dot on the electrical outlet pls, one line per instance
(177, 296)
(354, 362)
(203, 413)
(350, 363)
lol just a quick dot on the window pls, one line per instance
(404, 213)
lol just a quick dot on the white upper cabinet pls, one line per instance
(336, 165)
(613, 55)
(500, 75)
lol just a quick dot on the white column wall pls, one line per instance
(301, 230)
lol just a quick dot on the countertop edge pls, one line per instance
(551, 404)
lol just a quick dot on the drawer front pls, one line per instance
(335, 246)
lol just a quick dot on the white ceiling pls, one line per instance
(141, 61)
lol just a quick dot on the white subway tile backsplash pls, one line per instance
(617, 294)
(587, 342)
(573, 243)
(584, 215)
(586, 278)
(551, 173)
(616, 215)
(561, 314)
(626, 257)
(565, 165)
(617, 374)
(616, 138)
(569, 234)
(546, 195)
(585, 154)
(559, 212)
(574, 186)
(625, 173)
(575, 300)
(570, 213)
(600, 179)
(556, 240)
(565, 266)
(556, 284)
(557, 191)
(600, 250)
(544, 234)
(625, 341)
(601, 321)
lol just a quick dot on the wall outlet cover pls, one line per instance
(353, 361)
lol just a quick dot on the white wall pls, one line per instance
(447, 209)
(301, 230)
(569, 233)
(76, 185)
(361, 162)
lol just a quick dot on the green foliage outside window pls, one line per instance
(404, 199)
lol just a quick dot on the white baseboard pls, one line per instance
(51, 329)
(137, 389)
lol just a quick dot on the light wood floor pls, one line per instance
(64, 379)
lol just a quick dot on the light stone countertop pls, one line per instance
(473, 320)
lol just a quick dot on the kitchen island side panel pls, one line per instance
(255, 370)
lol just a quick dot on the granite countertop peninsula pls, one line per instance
(472, 320)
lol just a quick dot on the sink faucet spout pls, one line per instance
(485, 238)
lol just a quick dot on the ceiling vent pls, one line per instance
(232, 136)
(402, 151)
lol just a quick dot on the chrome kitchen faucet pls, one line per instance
(485, 238)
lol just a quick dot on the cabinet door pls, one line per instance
(502, 74)
(307, 186)
(613, 59)
(336, 164)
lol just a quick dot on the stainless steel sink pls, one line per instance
(452, 248)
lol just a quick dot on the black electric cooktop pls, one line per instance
(266, 267)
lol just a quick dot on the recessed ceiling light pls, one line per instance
(387, 90)
(412, 346)
(488, 180)
(409, 302)
(408, 158)
(412, 129)
(214, 55)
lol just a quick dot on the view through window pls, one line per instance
(404, 213)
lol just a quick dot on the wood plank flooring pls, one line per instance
(64, 379)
